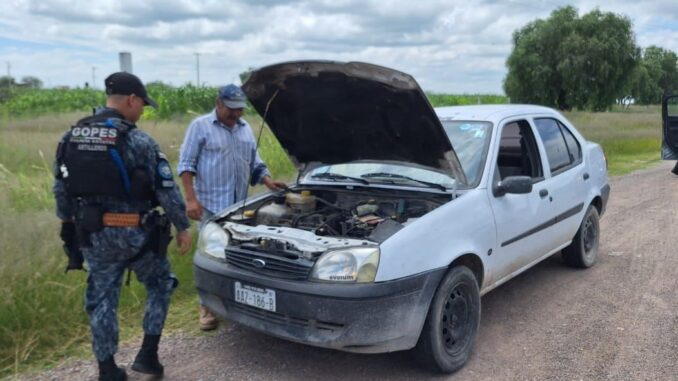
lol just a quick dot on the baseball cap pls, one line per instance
(232, 96)
(123, 83)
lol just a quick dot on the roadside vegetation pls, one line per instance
(42, 320)
(172, 101)
(588, 62)
(630, 137)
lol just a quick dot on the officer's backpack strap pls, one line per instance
(60, 170)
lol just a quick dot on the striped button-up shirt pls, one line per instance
(223, 159)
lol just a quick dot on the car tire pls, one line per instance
(583, 251)
(451, 325)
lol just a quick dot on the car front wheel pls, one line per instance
(452, 323)
(583, 251)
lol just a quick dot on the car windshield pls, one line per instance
(469, 139)
(382, 173)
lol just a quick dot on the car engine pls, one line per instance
(347, 214)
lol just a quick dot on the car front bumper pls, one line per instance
(365, 318)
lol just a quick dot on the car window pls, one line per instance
(562, 148)
(518, 154)
(470, 141)
(573, 146)
(554, 143)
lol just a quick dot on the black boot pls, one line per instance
(108, 371)
(147, 358)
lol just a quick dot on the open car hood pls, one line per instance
(335, 112)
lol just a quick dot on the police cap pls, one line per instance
(123, 83)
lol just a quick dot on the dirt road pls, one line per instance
(616, 321)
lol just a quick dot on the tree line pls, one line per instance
(8, 83)
(566, 61)
(589, 62)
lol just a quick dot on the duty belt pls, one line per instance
(121, 219)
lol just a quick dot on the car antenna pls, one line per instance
(256, 147)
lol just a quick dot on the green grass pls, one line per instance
(42, 321)
(631, 138)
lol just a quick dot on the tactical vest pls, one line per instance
(91, 162)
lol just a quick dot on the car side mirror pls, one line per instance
(513, 184)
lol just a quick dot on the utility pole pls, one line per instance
(94, 69)
(197, 69)
(9, 75)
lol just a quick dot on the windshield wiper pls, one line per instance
(389, 175)
(336, 176)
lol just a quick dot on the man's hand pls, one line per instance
(193, 209)
(274, 185)
(183, 242)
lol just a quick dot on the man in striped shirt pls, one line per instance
(218, 161)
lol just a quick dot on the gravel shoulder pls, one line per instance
(615, 321)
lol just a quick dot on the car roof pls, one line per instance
(490, 113)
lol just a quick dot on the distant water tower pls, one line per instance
(126, 62)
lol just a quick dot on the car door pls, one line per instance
(522, 220)
(670, 127)
(568, 185)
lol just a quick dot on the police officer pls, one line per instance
(109, 177)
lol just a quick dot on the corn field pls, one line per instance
(171, 101)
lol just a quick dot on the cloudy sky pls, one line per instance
(447, 45)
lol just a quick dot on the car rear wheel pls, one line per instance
(583, 251)
(452, 323)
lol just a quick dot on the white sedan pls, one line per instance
(402, 216)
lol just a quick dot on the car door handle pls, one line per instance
(586, 176)
(543, 193)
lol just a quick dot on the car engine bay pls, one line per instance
(373, 215)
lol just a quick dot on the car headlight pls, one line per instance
(350, 265)
(213, 240)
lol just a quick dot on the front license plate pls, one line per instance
(263, 298)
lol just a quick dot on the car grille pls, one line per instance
(273, 265)
(278, 318)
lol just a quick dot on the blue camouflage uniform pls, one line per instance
(115, 249)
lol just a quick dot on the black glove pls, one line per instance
(71, 248)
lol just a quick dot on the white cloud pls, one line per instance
(448, 46)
